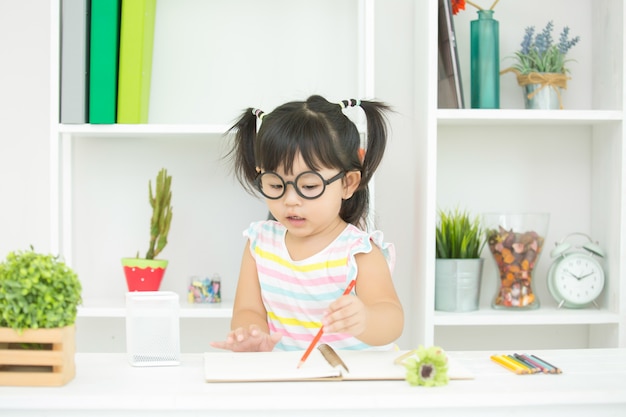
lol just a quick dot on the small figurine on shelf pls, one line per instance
(207, 290)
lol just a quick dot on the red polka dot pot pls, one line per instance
(143, 274)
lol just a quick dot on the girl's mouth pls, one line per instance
(295, 220)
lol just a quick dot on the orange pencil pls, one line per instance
(318, 336)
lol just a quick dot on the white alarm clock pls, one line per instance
(576, 276)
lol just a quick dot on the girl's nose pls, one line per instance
(291, 197)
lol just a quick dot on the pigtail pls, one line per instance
(242, 151)
(356, 209)
(376, 137)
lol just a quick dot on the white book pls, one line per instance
(282, 366)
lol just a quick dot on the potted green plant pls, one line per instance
(146, 274)
(540, 66)
(39, 298)
(458, 270)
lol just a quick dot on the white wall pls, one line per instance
(24, 142)
(25, 150)
(24, 118)
(396, 183)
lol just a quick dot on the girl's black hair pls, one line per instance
(322, 133)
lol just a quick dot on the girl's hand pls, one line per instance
(251, 339)
(347, 314)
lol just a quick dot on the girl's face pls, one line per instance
(305, 218)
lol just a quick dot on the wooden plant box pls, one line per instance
(53, 365)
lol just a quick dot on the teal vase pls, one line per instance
(485, 62)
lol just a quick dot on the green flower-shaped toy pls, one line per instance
(429, 369)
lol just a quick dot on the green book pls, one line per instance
(135, 68)
(103, 60)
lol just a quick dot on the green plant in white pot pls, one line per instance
(39, 298)
(146, 274)
(459, 241)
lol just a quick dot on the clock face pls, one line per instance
(578, 279)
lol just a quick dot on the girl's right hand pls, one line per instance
(251, 339)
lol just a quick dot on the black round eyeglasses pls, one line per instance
(309, 184)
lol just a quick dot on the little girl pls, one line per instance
(307, 162)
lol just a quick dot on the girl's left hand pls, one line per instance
(346, 315)
(250, 339)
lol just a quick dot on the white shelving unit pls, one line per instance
(211, 61)
(569, 163)
(207, 67)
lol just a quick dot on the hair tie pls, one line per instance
(361, 153)
(349, 103)
(258, 113)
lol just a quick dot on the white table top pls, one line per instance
(593, 383)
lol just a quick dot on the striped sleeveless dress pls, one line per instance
(297, 293)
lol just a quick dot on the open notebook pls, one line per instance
(282, 366)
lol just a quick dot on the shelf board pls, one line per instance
(109, 308)
(541, 316)
(142, 129)
(146, 130)
(527, 117)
